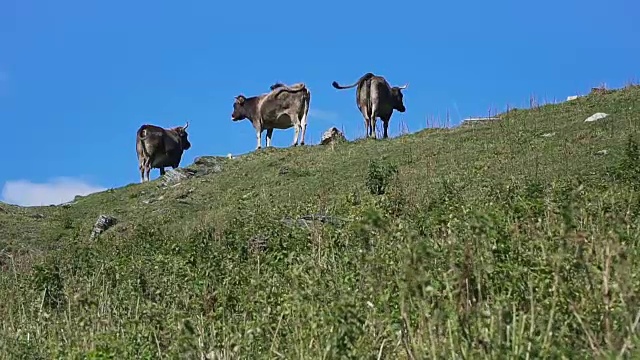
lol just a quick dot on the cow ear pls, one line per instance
(240, 99)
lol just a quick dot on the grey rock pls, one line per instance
(283, 170)
(257, 244)
(332, 135)
(326, 219)
(103, 223)
(207, 165)
(308, 220)
(176, 175)
(68, 204)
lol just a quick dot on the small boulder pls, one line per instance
(596, 116)
(283, 170)
(174, 176)
(103, 223)
(257, 244)
(307, 220)
(332, 135)
(204, 165)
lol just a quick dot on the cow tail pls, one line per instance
(307, 101)
(369, 100)
(142, 135)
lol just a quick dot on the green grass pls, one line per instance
(474, 242)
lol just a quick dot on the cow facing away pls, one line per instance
(158, 148)
(281, 108)
(376, 99)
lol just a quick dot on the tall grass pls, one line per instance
(481, 242)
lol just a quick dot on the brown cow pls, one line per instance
(376, 98)
(158, 148)
(281, 108)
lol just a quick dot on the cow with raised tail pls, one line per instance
(376, 99)
(158, 148)
(281, 108)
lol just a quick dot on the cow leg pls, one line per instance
(365, 116)
(373, 126)
(269, 134)
(162, 172)
(296, 132)
(141, 168)
(372, 118)
(370, 125)
(303, 128)
(258, 138)
(385, 126)
(147, 168)
(303, 131)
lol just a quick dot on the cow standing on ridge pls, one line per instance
(281, 108)
(376, 99)
(158, 148)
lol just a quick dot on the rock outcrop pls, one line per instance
(332, 135)
(103, 223)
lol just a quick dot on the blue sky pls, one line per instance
(77, 78)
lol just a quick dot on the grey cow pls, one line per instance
(158, 148)
(376, 99)
(281, 108)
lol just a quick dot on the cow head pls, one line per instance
(239, 111)
(396, 95)
(181, 131)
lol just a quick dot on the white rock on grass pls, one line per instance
(596, 116)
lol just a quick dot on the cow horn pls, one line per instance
(403, 86)
(186, 126)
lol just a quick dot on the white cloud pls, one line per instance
(323, 114)
(55, 191)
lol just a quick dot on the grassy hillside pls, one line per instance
(514, 239)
